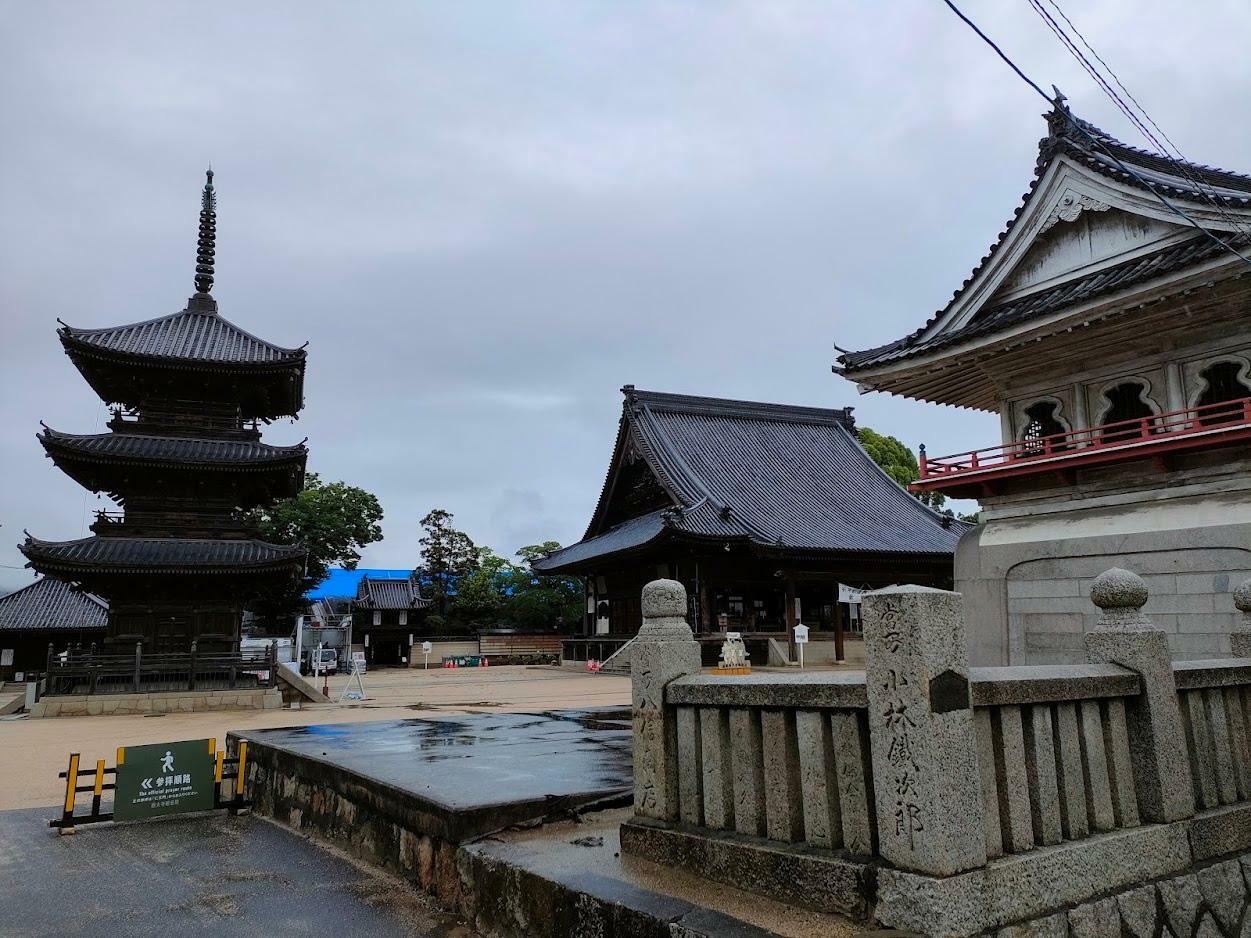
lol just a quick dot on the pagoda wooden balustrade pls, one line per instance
(91, 672)
(205, 524)
(1189, 428)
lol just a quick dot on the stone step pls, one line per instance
(569, 878)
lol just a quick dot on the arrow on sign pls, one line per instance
(146, 783)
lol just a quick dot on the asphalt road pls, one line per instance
(196, 875)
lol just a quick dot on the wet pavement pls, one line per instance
(196, 875)
(468, 763)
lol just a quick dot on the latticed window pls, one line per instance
(1224, 383)
(1042, 424)
(1127, 402)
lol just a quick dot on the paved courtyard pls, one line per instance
(34, 751)
(198, 875)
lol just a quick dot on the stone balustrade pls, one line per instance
(946, 799)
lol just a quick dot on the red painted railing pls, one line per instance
(1212, 420)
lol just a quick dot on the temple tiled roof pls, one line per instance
(49, 603)
(789, 479)
(197, 336)
(378, 593)
(241, 454)
(1168, 260)
(1099, 151)
(168, 554)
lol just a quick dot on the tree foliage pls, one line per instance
(477, 588)
(899, 462)
(447, 555)
(332, 520)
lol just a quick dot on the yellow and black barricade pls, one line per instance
(229, 773)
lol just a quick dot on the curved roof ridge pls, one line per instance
(189, 334)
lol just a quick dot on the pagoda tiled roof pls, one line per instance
(1097, 150)
(149, 555)
(197, 335)
(782, 478)
(378, 593)
(49, 603)
(219, 454)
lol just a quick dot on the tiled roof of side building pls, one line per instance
(1167, 260)
(49, 603)
(193, 555)
(1071, 136)
(193, 335)
(783, 478)
(386, 593)
(240, 453)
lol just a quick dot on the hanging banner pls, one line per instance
(849, 594)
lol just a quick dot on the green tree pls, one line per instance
(447, 555)
(332, 520)
(898, 461)
(543, 602)
(481, 595)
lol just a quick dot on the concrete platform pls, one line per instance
(455, 778)
(207, 874)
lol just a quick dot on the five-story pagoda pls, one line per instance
(184, 460)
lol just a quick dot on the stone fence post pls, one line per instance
(1124, 636)
(926, 784)
(664, 650)
(1240, 637)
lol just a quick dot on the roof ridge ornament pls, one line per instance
(207, 240)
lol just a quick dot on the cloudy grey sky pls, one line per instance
(487, 217)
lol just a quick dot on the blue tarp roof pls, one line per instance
(341, 584)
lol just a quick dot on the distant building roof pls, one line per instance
(51, 604)
(783, 479)
(343, 584)
(390, 593)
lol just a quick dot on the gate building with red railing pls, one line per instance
(1108, 326)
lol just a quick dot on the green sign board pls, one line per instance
(164, 778)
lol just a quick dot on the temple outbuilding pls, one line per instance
(46, 612)
(765, 513)
(1108, 327)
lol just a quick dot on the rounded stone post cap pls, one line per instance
(664, 599)
(1242, 597)
(1118, 589)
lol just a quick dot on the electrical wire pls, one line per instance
(1076, 124)
(1180, 164)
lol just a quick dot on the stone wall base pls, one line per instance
(1191, 877)
(816, 879)
(190, 701)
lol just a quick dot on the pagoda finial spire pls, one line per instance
(208, 236)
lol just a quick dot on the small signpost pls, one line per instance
(426, 648)
(154, 781)
(801, 639)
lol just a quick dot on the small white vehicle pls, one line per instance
(320, 661)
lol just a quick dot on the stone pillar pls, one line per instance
(1124, 636)
(1240, 637)
(664, 650)
(925, 777)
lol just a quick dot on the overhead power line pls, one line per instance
(1129, 171)
(1178, 162)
